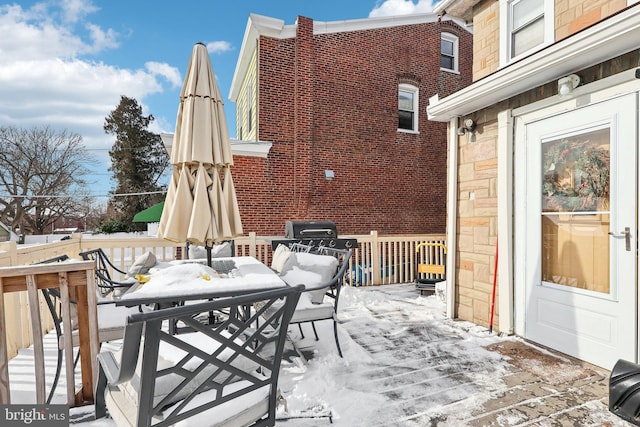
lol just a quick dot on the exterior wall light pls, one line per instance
(469, 126)
(567, 84)
(328, 174)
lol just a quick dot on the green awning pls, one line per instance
(151, 214)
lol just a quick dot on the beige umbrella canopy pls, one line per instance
(200, 207)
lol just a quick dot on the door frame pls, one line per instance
(599, 91)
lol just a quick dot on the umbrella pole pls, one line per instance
(208, 248)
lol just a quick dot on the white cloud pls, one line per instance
(75, 10)
(172, 74)
(45, 80)
(29, 34)
(72, 94)
(400, 7)
(219, 46)
(101, 39)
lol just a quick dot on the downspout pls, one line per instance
(452, 216)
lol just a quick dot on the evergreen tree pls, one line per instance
(138, 160)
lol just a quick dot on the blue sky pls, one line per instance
(65, 63)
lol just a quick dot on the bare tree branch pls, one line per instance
(35, 163)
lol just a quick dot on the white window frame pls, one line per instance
(413, 89)
(506, 27)
(249, 107)
(454, 39)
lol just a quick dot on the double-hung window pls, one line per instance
(449, 52)
(526, 25)
(407, 108)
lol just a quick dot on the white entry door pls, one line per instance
(581, 197)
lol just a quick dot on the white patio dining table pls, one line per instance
(177, 282)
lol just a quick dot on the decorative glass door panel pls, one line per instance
(575, 210)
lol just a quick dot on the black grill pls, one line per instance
(314, 233)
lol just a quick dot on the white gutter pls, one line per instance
(605, 40)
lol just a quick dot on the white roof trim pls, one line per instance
(258, 25)
(605, 40)
(373, 23)
(251, 148)
(238, 147)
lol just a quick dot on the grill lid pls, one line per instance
(310, 230)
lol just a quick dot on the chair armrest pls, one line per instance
(110, 366)
(119, 372)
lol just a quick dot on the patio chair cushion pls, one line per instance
(142, 264)
(308, 311)
(169, 356)
(111, 322)
(280, 257)
(197, 252)
(221, 250)
(254, 405)
(310, 270)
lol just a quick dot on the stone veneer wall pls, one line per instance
(486, 39)
(477, 221)
(571, 16)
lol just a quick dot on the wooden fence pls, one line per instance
(378, 260)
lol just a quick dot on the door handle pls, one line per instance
(627, 237)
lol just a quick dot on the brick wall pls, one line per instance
(329, 101)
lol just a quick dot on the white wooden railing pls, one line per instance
(378, 260)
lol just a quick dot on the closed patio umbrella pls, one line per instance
(201, 205)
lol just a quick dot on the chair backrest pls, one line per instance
(222, 359)
(343, 256)
(104, 267)
(300, 247)
(430, 266)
